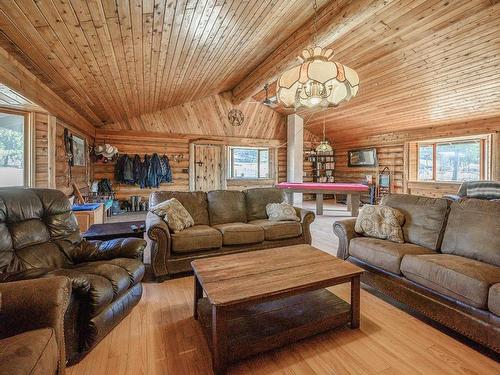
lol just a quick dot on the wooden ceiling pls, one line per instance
(113, 60)
(421, 62)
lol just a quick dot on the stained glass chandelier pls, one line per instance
(318, 81)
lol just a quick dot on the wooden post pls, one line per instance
(198, 294)
(355, 302)
(219, 337)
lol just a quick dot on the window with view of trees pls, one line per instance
(12, 150)
(461, 160)
(247, 162)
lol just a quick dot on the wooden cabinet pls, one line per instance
(87, 218)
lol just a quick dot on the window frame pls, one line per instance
(484, 159)
(29, 142)
(230, 158)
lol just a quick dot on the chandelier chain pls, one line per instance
(315, 7)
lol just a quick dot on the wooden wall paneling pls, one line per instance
(132, 142)
(208, 117)
(80, 175)
(41, 150)
(391, 152)
(51, 152)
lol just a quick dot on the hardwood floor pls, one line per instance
(161, 337)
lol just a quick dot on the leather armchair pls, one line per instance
(42, 240)
(32, 316)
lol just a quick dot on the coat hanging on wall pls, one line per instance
(148, 172)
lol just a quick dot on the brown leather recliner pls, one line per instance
(39, 237)
(31, 326)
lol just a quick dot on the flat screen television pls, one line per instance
(366, 157)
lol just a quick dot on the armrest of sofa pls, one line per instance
(306, 218)
(32, 273)
(90, 251)
(35, 304)
(344, 229)
(160, 239)
(452, 197)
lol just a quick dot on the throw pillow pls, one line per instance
(380, 222)
(174, 214)
(281, 212)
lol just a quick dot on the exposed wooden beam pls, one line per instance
(18, 78)
(333, 23)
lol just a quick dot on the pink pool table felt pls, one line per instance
(322, 186)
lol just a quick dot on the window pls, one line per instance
(13, 149)
(425, 162)
(454, 160)
(248, 163)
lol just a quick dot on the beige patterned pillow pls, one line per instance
(380, 222)
(174, 214)
(281, 212)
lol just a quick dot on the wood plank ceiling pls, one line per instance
(114, 60)
(420, 63)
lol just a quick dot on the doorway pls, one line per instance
(207, 167)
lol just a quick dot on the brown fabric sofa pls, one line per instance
(39, 237)
(225, 222)
(448, 268)
(31, 326)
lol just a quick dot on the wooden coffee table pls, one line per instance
(261, 300)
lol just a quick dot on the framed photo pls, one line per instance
(366, 157)
(79, 157)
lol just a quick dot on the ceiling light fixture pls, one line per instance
(324, 145)
(318, 81)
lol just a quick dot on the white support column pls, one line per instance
(295, 152)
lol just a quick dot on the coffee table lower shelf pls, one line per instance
(256, 328)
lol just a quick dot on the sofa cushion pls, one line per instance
(281, 212)
(383, 254)
(473, 230)
(197, 238)
(174, 214)
(459, 278)
(494, 299)
(425, 218)
(278, 230)
(195, 202)
(240, 233)
(380, 222)
(257, 199)
(226, 206)
(31, 352)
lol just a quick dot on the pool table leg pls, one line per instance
(319, 204)
(354, 204)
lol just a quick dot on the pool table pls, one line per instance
(353, 192)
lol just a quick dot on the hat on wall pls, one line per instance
(106, 150)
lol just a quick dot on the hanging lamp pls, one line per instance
(318, 81)
(324, 145)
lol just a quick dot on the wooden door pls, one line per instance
(207, 167)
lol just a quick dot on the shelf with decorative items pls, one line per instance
(323, 165)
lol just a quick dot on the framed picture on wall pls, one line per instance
(79, 156)
(366, 157)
